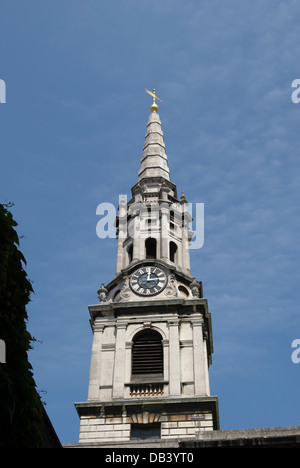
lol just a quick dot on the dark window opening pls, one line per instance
(173, 250)
(130, 253)
(147, 354)
(145, 431)
(183, 291)
(150, 245)
(172, 217)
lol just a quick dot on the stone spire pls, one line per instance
(154, 162)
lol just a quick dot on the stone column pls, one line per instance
(119, 362)
(185, 248)
(205, 338)
(164, 232)
(121, 235)
(200, 361)
(95, 369)
(136, 234)
(179, 252)
(185, 234)
(174, 358)
(166, 358)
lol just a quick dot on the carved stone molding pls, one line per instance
(171, 287)
(125, 292)
(145, 417)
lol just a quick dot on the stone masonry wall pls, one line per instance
(115, 428)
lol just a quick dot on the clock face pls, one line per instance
(148, 281)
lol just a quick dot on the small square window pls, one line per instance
(145, 431)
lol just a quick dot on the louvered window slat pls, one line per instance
(147, 353)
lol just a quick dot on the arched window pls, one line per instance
(150, 245)
(147, 354)
(173, 250)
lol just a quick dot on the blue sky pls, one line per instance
(72, 133)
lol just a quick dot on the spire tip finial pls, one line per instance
(154, 106)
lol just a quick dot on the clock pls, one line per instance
(148, 281)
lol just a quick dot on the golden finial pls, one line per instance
(154, 106)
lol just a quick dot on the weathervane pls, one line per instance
(154, 106)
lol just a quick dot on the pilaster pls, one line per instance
(95, 369)
(119, 362)
(174, 358)
(200, 361)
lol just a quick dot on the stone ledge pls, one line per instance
(276, 437)
(272, 437)
(250, 433)
(153, 443)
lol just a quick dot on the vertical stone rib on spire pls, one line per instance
(154, 162)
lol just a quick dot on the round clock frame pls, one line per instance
(148, 280)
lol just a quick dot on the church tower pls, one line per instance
(152, 337)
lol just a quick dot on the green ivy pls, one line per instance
(21, 409)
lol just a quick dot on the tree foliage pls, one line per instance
(20, 405)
